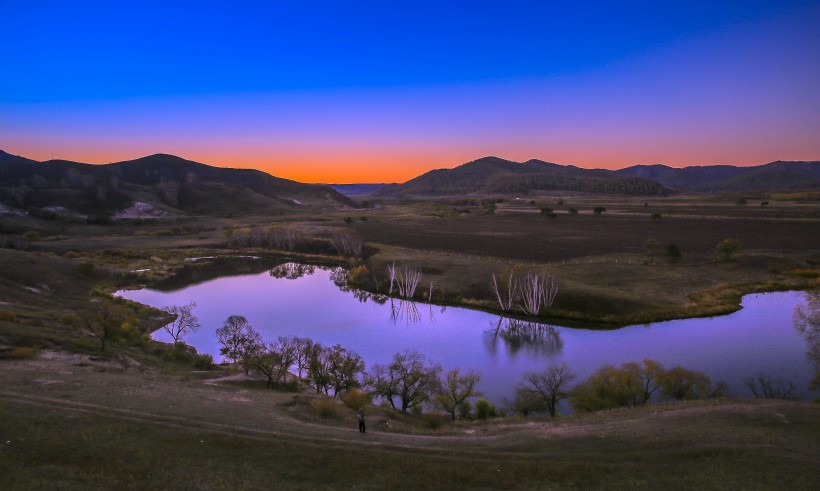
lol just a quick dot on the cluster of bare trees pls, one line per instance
(529, 290)
(330, 370)
(348, 243)
(404, 281)
(286, 238)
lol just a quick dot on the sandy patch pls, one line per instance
(138, 209)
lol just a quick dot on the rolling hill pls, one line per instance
(774, 176)
(490, 175)
(165, 182)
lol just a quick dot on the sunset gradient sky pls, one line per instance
(372, 92)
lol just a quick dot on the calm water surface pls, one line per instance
(759, 338)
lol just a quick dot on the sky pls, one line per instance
(383, 91)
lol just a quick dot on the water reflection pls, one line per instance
(404, 311)
(518, 334)
(806, 320)
(292, 271)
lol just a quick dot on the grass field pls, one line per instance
(71, 422)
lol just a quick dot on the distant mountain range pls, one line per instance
(164, 182)
(491, 175)
(166, 185)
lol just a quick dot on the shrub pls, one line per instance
(572, 210)
(434, 420)
(655, 216)
(598, 210)
(325, 408)
(86, 269)
(485, 409)
(32, 236)
(24, 353)
(359, 274)
(356, 399)
(464, 410)
(178, 353)
(7, 316)
(204, 361)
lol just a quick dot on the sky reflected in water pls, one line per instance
(760, 338)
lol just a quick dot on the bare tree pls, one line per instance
(391, 270)
(807, 322)
(537, 289)
(456, 389)
(408, 377)
(303, 350)
(408, 281)
(508, 295)
(550, 384)
(236, 336)
(184, 321)
(763, 387)
(348, 242)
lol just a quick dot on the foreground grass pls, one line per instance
(75, 425)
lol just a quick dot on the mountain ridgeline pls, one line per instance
(493, 175)
(162, 181)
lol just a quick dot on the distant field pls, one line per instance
(533, 237)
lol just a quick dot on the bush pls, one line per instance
(325, 408)
(572, 210)
(356, 399)
(485, 409)
(7, 316)
(434, 420)
(86, 269)
(464, 410)
(204, 361)
(24, 353)
(32, 236)
(598, 210)
(178, 353)
(655, 217)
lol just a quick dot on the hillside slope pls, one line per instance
(774, 176)
(496, 175)
(163, 181)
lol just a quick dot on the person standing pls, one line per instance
(361, 421)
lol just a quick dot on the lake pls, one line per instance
(314, 302)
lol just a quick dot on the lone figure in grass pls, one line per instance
(361, 420)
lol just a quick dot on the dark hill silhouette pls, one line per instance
(774, 176)
(496, 175)
(164, 181)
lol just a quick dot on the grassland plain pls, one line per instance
(78, 417)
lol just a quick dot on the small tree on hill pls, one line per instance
(550, 384)
(456, 389)
(727, 247)
(184, 321)
(107, 321)
(408, 378)
(236, 337)
(680, 383)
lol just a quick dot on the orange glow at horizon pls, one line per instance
(383, 165)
